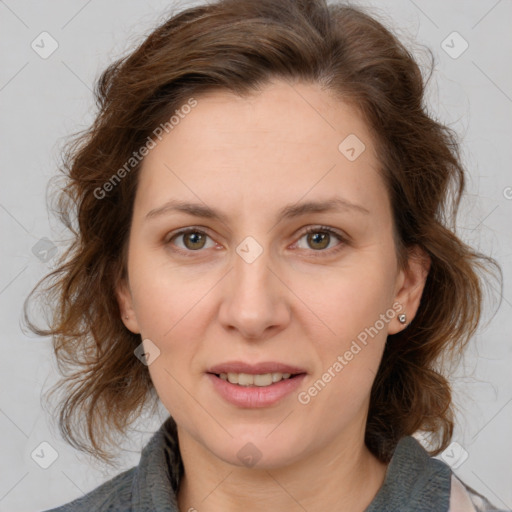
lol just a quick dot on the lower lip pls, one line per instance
(255, 396)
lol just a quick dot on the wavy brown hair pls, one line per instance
(239, 46)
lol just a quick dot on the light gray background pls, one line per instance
(44, 100)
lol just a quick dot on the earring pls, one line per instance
(402, 318)
(126, 317)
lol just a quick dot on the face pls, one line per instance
(247, 290)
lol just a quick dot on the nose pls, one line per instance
(255, 300)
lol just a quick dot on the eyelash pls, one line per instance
(311, 229)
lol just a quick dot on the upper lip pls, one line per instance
(255, 369)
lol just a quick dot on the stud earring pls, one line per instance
(402, 318)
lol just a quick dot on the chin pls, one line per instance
(259, 450)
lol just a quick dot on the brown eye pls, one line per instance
(318, 240)
(191, 240)
(194, 240)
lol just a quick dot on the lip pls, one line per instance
(254, 369)
(255, 396)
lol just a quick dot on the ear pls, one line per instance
(409, 288)
(125, 301)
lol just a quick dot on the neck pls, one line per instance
(341, 476)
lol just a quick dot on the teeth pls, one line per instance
(263, 379)
(232, 377)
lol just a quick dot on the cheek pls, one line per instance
(167, 298)
(171, 310)
(356, 306)
(353, 298)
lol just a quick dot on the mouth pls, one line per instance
(259, 385)
(261, 374)
(258, 380)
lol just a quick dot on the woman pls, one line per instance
(264, 245)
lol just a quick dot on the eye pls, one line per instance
(320, 237)
(193, 240)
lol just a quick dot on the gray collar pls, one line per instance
(157, 477)
(414, 481)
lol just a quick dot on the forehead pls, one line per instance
(286, 142)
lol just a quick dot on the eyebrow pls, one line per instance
(288, 212)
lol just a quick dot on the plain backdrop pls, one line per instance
(45, 98)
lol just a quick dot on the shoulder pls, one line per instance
(465, 499)
(112, 496)
(149, 486)
(417, 482)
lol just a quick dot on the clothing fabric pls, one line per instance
(414, 482)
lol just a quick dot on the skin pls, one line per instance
(300, 302)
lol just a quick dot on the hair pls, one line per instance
(240, 46)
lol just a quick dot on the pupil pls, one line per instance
(194, 238)
(319, 238)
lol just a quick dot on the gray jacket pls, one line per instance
(414, 482)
